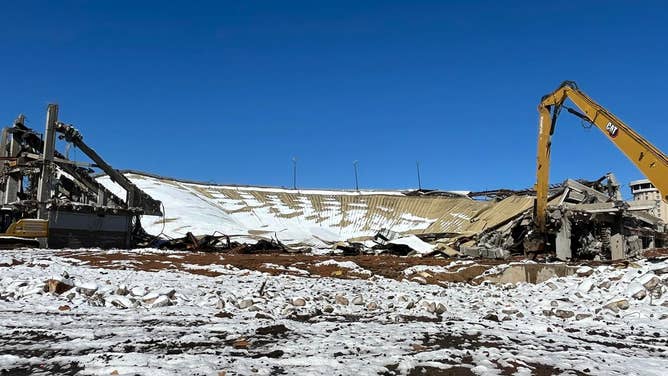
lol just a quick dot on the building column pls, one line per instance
(563, 239)
(44, 187)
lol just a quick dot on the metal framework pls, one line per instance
(37, 181)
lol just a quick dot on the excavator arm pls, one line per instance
(649, 160)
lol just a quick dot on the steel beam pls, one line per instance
(44, 187)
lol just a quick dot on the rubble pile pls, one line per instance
(587, 220)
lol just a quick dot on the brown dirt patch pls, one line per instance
(656, 252)
(388, 266)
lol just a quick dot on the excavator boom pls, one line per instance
(649, 160)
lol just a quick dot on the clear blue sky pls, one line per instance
(231, 91)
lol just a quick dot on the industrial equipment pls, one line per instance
(651, 161)
(47, 198)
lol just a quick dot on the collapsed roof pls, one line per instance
(323, 218)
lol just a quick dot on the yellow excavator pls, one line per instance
(650, 160)
(21, 232)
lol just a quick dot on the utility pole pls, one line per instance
(417, 165)
(294, 173)
(357, 185)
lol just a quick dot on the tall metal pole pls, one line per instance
(357, 184)
(44, 186)
(13, 180)
(417, 165)
(294, 173)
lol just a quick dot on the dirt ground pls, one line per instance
(479, 322)
(388, 266)
(281, 263)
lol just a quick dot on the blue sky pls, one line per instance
(230, 92)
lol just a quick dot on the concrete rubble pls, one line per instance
(587, 221)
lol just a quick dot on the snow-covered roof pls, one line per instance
(311, 217)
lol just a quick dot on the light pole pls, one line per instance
(417, 165)
(294, 173)
(357, 185)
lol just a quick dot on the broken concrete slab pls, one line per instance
(531, 273)
(563, 240)
(618, 247)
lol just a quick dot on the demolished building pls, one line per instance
(64, 203)
(47, 197)
(588, 219)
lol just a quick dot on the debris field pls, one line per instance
(163, 312)
(51, 201)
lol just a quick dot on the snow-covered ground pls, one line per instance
(602, 320)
